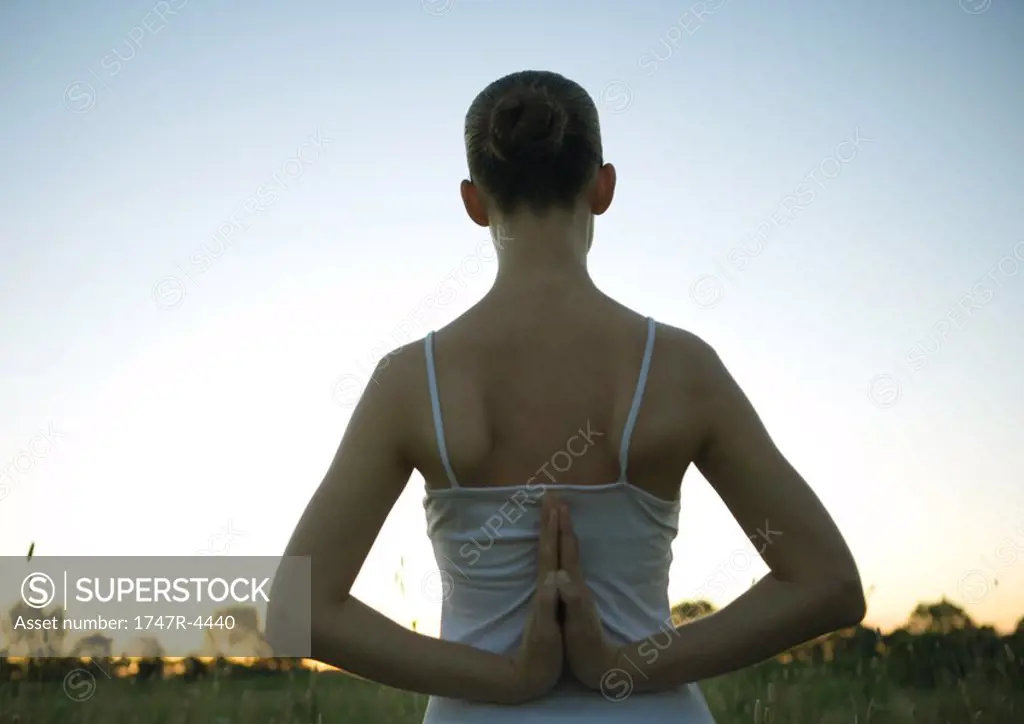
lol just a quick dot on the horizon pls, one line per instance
(234, 654)
(206, 254)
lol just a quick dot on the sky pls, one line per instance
(218, 216)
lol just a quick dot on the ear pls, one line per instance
(474, 204)
(603, 191)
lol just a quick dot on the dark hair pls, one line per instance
(533, 138)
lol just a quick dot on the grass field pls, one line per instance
(769, 694)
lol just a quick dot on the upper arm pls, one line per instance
(367, 475)
(776, 508)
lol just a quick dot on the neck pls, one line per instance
(535, 253)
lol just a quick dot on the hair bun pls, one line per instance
(527, 124)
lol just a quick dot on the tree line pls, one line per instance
(938, 646)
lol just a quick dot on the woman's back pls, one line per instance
(553, 406)
(520, 374)
(549, 385)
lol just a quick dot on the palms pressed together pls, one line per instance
(579, 639)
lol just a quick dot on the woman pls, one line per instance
(553, 427)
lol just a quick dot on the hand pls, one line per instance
(590, 655)
(537, 665)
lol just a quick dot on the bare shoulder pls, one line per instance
(691, 361)
(398, 384)
(399, 372)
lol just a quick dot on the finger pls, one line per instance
(547, 562)
(547, 601)
(568, 546)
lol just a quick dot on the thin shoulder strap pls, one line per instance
(638, 397)
(435, 403)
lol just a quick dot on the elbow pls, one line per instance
(312, 623)
(845, 602)
(290, 608)
(280, 624)
(292, 622)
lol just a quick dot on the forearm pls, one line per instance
(772, 617)
(354, 637)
